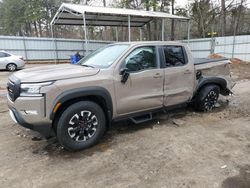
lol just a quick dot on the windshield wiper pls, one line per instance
(87, 66)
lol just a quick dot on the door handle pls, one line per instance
(187, 72)
(157, 75)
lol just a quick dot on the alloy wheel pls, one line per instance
(11, 67)
(210, 100)
(82, 126)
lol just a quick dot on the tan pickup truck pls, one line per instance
(77, 103)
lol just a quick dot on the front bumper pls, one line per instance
(19, 112)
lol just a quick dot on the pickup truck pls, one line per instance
(78, 103)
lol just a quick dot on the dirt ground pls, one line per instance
(182, 149)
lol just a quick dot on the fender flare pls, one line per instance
(221, 82)
(85, 92)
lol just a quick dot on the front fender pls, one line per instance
(84, 92)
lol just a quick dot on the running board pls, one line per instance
(141, 118)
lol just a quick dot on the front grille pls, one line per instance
(13, 88)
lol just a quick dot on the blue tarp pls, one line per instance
(74, 59)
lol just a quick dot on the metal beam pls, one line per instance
(129, 32)
(55, 45)
(116, 34)
(162, 29)
(140, 34)
(85, 34)
(188, 31)
(25, 49)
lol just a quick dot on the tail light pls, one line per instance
(21, 58)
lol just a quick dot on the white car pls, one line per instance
(10, 62)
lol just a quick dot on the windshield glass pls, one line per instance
(104, 57)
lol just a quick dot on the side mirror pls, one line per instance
(125, 74)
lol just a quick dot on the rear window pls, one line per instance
(174, 56)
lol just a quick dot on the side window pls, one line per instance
(2, 54)
(141, 58)
(174, 56)
(7, 55)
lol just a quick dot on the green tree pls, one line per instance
(12, 17)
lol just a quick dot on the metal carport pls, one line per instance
(75, 14)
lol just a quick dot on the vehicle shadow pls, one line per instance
(53, 149)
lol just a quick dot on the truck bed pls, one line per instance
(214, 68)
(199, 61)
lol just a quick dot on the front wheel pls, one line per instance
(207, 98)
(81, 125)
(11, 67)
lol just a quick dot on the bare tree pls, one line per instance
(223, 18)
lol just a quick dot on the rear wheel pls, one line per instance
(81, 125)
(207, 98)
(11, 67)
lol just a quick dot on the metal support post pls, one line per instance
(55, 45)
(140, 34)
(129, 32)
(25, 49)
(162, 29)
(85, 34)
(188, 37)
(116, 34)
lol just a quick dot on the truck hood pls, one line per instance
(54, 72)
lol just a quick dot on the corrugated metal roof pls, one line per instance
(71, 14)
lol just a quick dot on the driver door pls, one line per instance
(143, 90)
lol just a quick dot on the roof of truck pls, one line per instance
(151, 43)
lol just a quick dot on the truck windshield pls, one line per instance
(104, 57)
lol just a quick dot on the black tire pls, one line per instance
(11, 67)
(207, 98)
(74, 132)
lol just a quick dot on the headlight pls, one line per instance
(33, 89)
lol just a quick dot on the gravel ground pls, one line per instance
(178, 149)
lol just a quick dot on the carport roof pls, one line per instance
(72, 14)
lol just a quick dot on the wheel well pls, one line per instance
(10, 63)
(208, 84)
(221, 82)
(96, 99)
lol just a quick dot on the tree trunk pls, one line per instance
(30, 30)
(105, 28)
(40, 29)
(155, 21)
(201, 21)
(172, 21)
(238, 17)
(148, 24)
(223, 18)
(35, 27)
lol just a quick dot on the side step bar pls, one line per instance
(141, 118)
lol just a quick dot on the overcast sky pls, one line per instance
(183, 3)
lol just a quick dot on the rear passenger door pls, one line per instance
(179, 75)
